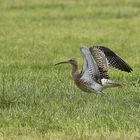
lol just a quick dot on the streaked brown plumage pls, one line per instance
(94, 75)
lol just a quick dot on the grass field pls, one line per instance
(40, 101)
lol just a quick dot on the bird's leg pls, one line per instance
(105, 95)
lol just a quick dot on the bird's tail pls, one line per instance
(109, 83)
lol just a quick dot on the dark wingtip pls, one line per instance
(121, 64)
(126, 67)
(130, 70)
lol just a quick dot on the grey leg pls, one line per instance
(105, 95)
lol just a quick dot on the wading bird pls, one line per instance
(94, 75)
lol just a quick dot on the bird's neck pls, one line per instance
(75, 72)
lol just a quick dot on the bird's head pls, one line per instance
(70, 61)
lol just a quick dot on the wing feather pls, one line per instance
(101, 61)
(90, 70)
(114, 60)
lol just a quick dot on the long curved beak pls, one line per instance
(63, 62)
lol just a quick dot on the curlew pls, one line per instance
(94, 75)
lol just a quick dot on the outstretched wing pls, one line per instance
(101, 61)
(113, 59)
(90, 70)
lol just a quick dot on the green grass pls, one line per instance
(40, 101)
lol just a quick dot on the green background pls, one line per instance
(41, 101)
